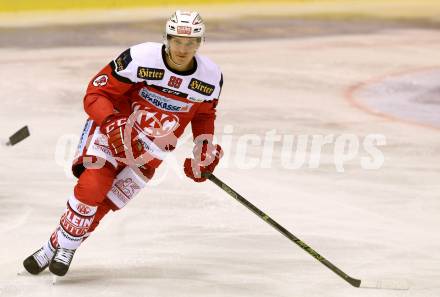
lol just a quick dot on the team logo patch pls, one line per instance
(150, 73)
(153, 123)
(83, 209)
(201, 87)
(184, 30)
(123, 60)
(100, 81)
(163, 103)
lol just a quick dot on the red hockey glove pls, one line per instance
(206, 158)
(114, 129)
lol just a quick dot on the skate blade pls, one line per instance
(22, 271)
(54, 279)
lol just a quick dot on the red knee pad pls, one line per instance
(93, 185)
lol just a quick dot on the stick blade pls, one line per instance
(385, 284)
(19, 136)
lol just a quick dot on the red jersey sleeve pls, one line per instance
(106, 91)
(203, 121)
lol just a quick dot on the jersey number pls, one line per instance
(175, 82)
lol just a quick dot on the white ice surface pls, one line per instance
(184, 239)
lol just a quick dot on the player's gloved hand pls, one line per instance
(114, 128)
(206, 158)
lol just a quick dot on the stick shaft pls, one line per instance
(352, 281)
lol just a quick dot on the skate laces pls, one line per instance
(64, 256)
(41, 257)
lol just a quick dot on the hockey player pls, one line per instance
(138, 105)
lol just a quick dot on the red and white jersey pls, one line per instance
(139, 79)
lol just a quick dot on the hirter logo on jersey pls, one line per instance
(184, 30)
(201, 87)
(100, 81)
(150, 73)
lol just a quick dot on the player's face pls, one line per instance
(183, 49)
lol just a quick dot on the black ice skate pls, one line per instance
(37, 262)
(61, 261)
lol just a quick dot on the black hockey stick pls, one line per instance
(18, 136)
(389, 284)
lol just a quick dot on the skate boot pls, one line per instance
(38, 261)
(61, 261)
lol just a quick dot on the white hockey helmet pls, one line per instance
(185, 24)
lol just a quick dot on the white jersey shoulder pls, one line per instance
(128, 65)
(148, 53)
(145, 63)
(208, 66)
